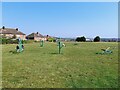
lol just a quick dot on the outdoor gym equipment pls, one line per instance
(105, 51)
(60, 45)
(41, 43)
(20, 46)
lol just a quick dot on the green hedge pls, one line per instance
(8, 41)
(11, 41)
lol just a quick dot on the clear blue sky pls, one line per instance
(62, 19)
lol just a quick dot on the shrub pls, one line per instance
(8, 41)
(4, 41)
(15, 41)
(51, 40)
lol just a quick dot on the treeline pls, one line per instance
(83, 39)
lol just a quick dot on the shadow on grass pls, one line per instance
(56, 53)
(103, 53)
(75, 44)
(13, 52)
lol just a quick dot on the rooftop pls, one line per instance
(10, 31)
(35, 35)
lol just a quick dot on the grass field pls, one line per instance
(77, 67)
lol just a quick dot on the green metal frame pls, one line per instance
(20, 45)
(41, 43)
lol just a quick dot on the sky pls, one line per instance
(63, 19)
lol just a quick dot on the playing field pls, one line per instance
(77, 67)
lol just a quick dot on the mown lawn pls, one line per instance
(77, 67)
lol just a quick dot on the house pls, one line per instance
(47, 37)
(11, 32)
(36, 36)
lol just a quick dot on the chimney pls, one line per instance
(3, 27)
(16, 29)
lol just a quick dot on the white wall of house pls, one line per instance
(39, 38)
(23, 37)
(9, 35)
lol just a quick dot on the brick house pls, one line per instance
(36, 36)
(10, 32)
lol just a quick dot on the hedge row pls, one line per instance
(10, 41)
(13, 41)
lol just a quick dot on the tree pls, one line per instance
(78, 39)
(81, 39)
(97, 39)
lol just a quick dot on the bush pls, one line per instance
(35, 41)
(51, 40)
(4, 41)
(10, 41)
(15, 41)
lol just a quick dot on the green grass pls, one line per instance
(77, 67)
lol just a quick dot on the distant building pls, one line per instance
(110, 39)
(47, 37)
(36, 36)
(11, 32)
(89, 40)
